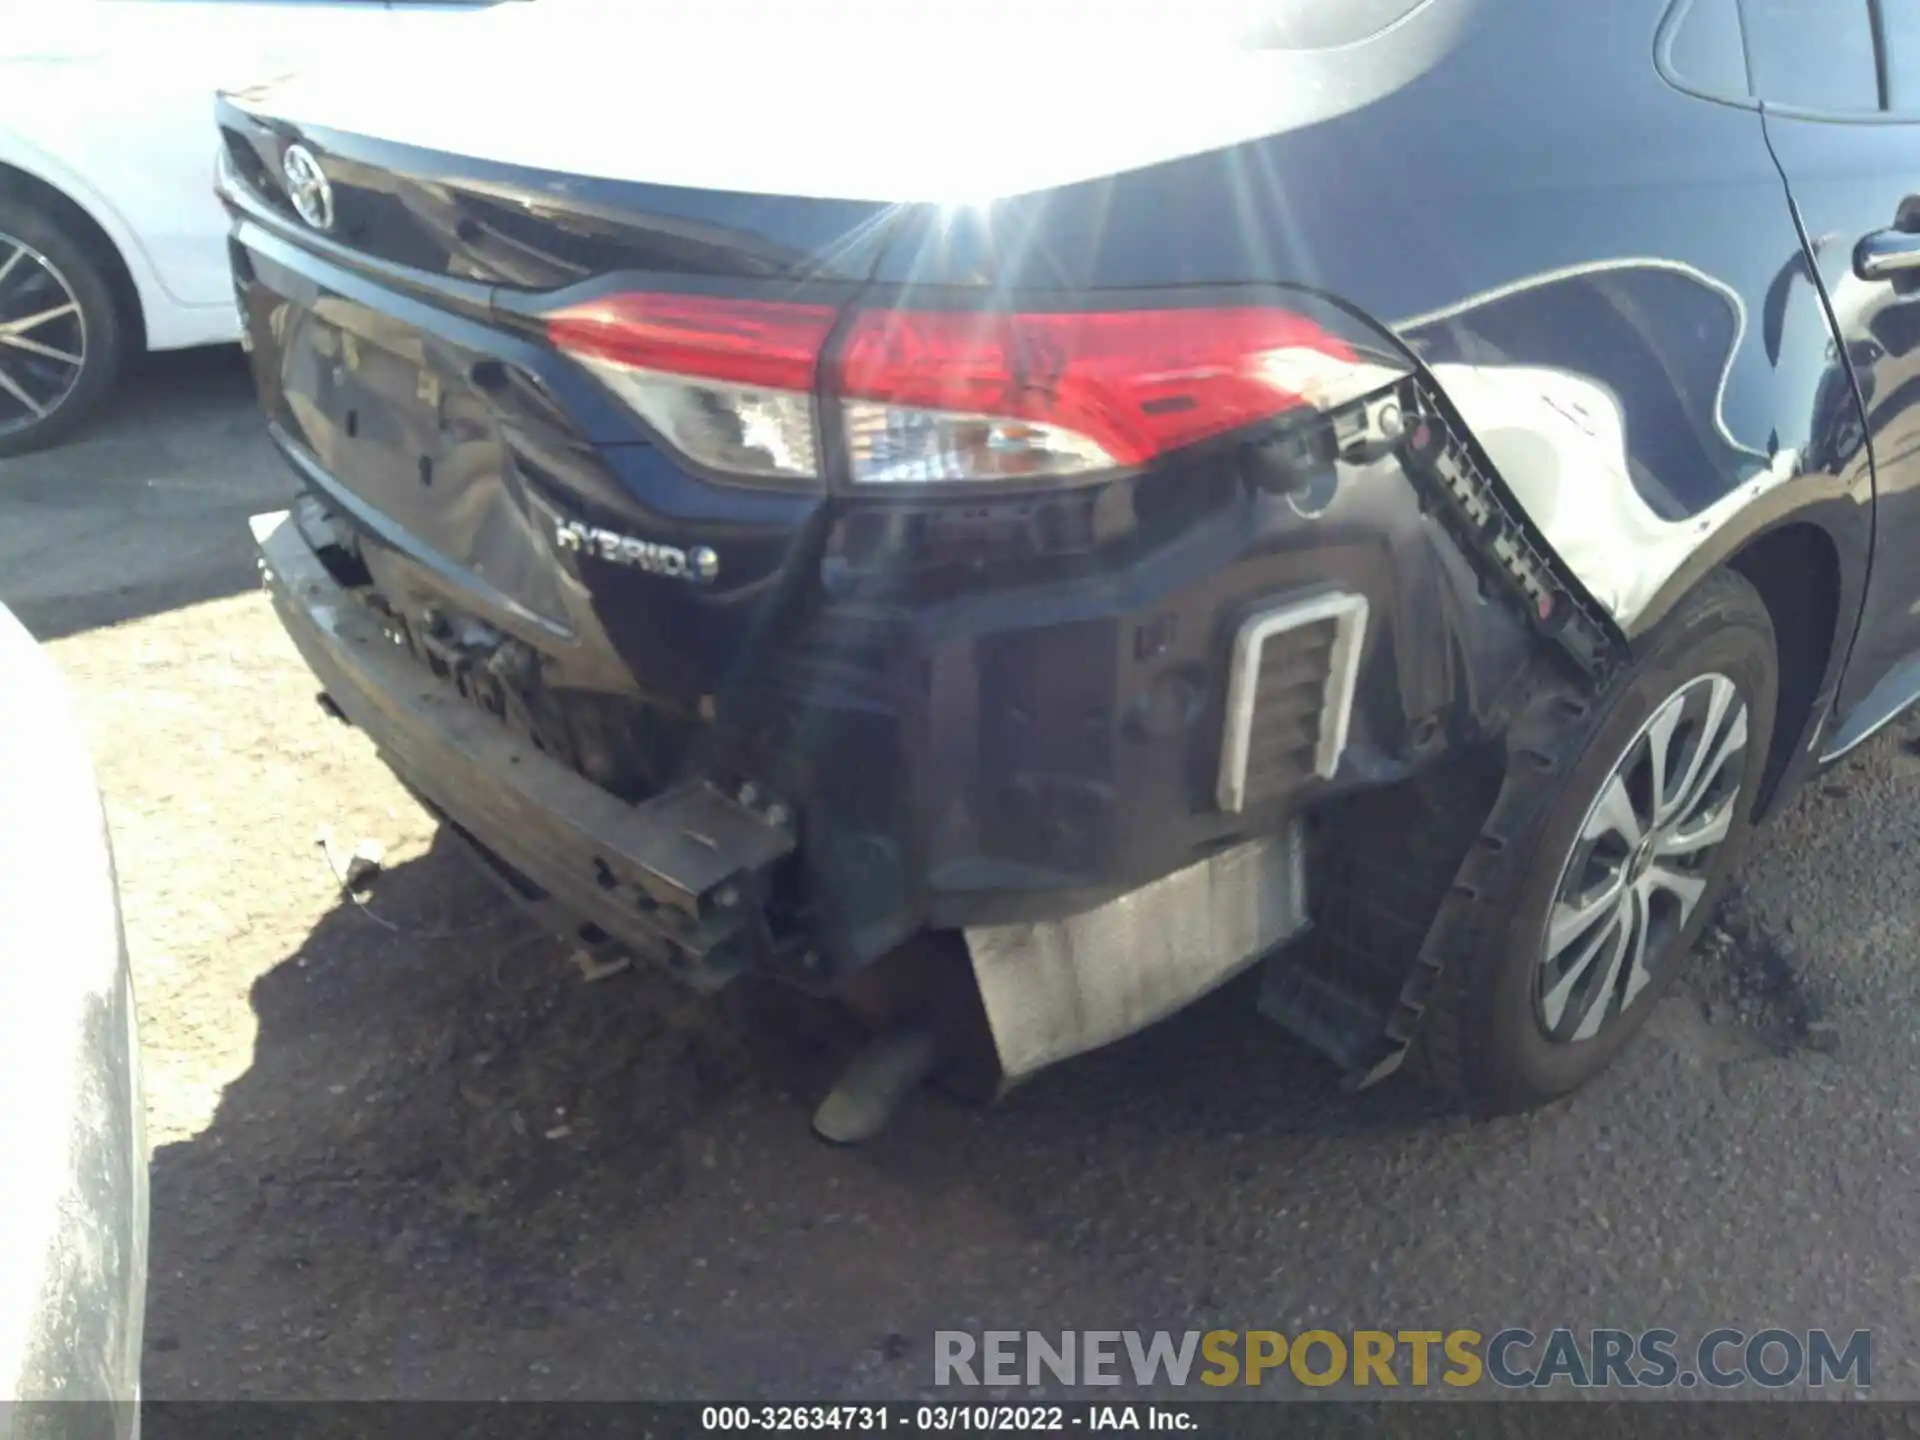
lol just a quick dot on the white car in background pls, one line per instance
(111, 241)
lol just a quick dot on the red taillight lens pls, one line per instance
(930, 396)
(762, 343)
(1136, 383)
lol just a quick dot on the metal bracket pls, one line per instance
(1462, 486)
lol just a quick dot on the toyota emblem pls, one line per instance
(312, 196)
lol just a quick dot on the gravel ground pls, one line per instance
(403, 1148)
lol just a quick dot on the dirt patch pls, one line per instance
(1744, 976)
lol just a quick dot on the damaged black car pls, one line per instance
(1393, 500)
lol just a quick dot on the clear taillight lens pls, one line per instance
(741, 429)
(954, 396)
(898, 444)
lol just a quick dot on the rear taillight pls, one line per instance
(729, 383)
(955, 396)
(961, 396)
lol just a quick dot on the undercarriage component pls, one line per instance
(680, 877)
(1061, 987)
(889, 1069)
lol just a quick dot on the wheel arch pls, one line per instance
(1796, 568)
(89, 231)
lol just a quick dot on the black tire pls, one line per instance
(1483, 1036)
(71, 264)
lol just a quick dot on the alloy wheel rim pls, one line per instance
(43, 336)
(1639, 865)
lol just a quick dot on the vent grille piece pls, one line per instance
(1289, 697)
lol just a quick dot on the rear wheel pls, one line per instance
(1617, 829)
(62, 337)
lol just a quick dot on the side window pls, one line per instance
(1705, 51)
(1814, 54)
(1900, 26)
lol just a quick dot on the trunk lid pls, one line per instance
(405, 371)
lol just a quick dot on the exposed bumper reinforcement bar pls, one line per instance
(677, 878)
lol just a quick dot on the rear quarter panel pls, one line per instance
(1603, 273)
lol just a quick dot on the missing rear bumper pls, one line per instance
(677, 878)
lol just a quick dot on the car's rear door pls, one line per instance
(1839, 81)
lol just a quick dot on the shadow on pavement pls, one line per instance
(456, 1169)
(146, 510)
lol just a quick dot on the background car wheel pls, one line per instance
(62, 337)
(1618, 827)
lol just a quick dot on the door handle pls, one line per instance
(1887, 255)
